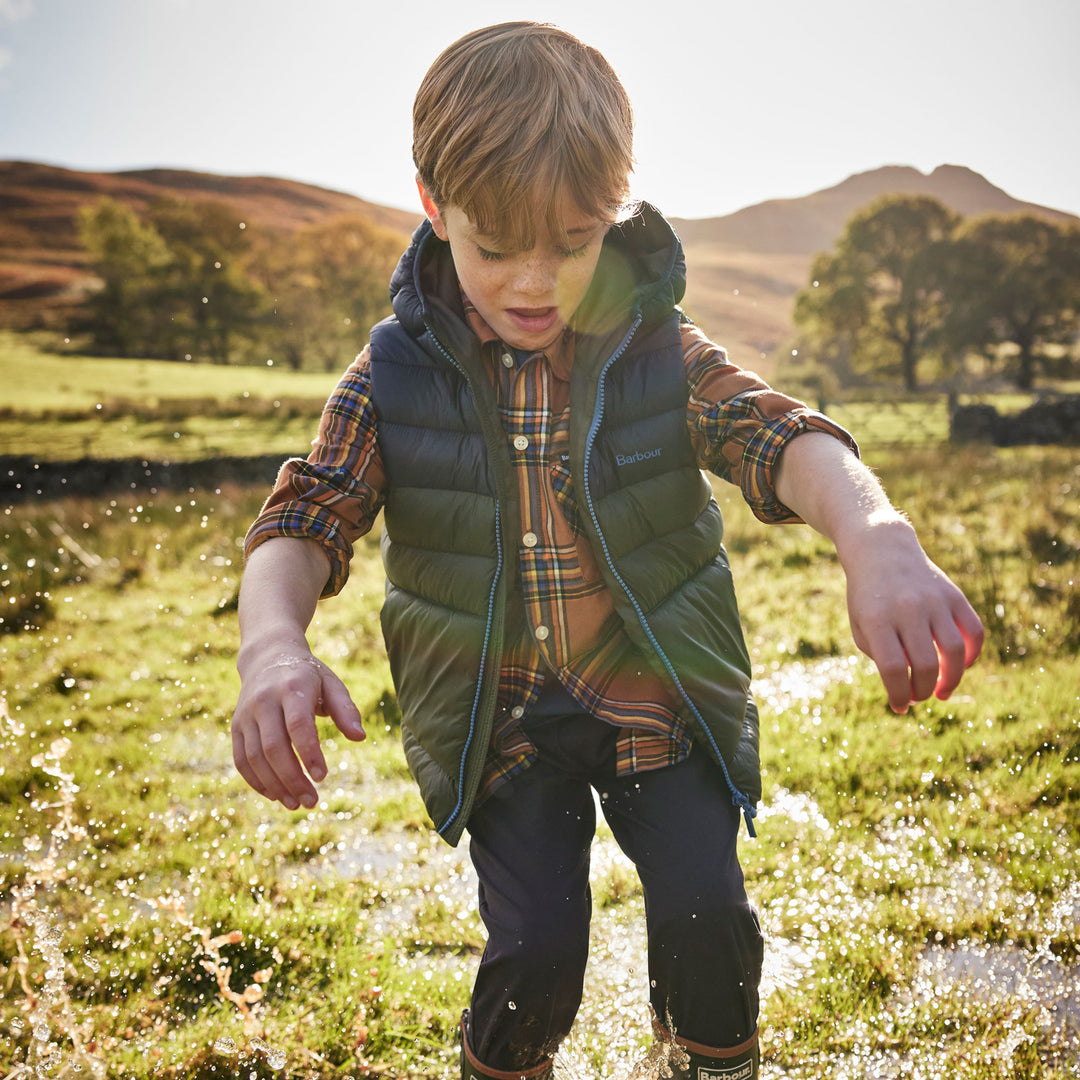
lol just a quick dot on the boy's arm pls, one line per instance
(283, 686)
(906, 615)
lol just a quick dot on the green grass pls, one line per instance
(37, 380)
(128, 852)
(193, 438)
(65, 408)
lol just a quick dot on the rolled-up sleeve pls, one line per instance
(334, 495)
(739, 425)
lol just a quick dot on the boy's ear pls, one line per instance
(431, 210)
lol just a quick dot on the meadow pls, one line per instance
(916, 875)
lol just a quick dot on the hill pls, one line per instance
(744, 268)
(42, 265)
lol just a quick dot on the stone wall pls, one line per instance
(1053, 420)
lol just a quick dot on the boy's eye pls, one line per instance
(567, 253)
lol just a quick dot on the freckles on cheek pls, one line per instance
(571, 284)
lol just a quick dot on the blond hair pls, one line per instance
(515, 118)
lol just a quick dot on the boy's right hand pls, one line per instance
(273, 727)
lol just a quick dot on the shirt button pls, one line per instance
(507, 360)
(520, 442)
(517, 712)
(530, 540)
(542, 633)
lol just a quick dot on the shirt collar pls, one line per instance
(560, 355)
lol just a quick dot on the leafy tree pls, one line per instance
(831, 314)
(879, 296)
(1017, 280)
(189, 283)
(207, 299)
(329, 287)
(130, 258)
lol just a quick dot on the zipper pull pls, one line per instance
(749, 813)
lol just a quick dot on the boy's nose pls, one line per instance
(536, 277)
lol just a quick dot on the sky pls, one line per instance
(735, 103)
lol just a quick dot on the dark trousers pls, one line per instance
(530, 846)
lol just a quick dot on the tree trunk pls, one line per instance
(1025, 375)
(908, 359)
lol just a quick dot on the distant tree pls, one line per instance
(831, 314)
(208, 299)
(879, 296)
(329, 286)
(130, 257)
(189, 283)
(1017, 280)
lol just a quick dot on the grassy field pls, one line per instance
(916, 875)
(37, 380)
(102, 408)
(63, 408)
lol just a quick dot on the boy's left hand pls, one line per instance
(907, 616)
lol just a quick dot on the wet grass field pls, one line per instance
(916, 876)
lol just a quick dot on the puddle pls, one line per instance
(416, 868)
(779, 687)
(1005, 975)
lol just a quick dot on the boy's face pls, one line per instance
(527, 297)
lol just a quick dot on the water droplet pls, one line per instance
(92, 963)
(512, 1006)
(276, 1058)
(225, 1045)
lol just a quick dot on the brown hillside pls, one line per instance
(746, 268)
(813, 223)
(42, 266)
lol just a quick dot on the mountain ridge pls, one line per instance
(811, 223)
(744, 267)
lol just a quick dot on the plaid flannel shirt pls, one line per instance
(564, 624)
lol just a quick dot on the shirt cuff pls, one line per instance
(762, 454)
(303, 521)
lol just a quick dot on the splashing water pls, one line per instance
(611, 1035)
(58, 1046)
(52, 1016)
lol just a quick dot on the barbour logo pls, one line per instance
(742, 1071)
(638, 455)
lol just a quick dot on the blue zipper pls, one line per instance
(738, 798)
(487, 626)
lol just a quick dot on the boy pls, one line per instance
(533, 422)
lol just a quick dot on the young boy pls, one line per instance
(533, 422)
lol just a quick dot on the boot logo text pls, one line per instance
(742, 1071)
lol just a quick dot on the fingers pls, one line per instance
(275, 740)
(337, 703)
(926, 656)
(264, 755)
(893, 668)
(971, 629)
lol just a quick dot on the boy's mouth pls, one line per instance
(534, 320)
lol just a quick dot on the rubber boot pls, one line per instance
(741, 1063)
(472, 1069)
(688, 1060)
